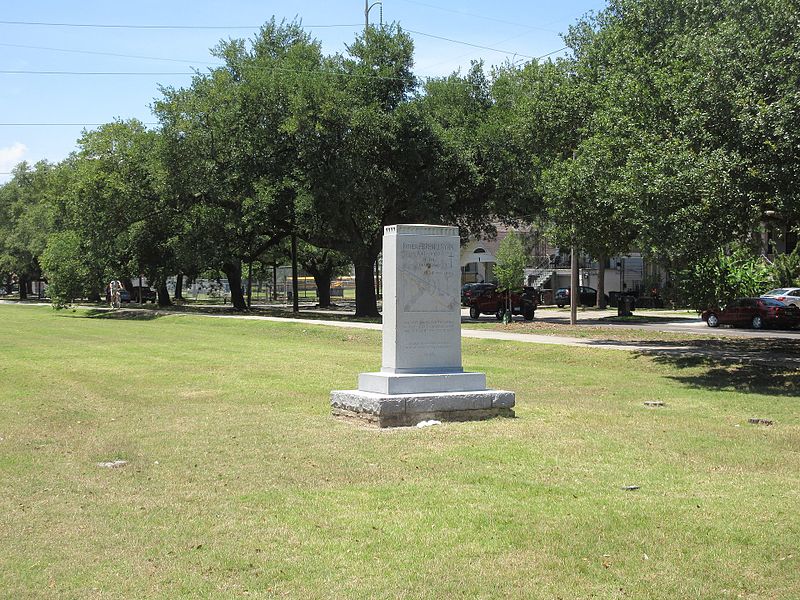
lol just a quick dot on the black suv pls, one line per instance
(148, 295)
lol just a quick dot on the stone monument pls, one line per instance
(421, 376)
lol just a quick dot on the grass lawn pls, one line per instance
(240, 484)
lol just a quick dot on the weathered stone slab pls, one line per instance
(406, 410)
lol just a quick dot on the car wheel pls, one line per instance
(560, 305)
(713, 321)
(499, 314)
(474, 313)
(528, 313)
(757, 322)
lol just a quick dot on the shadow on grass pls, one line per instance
(144, 313)
(750, 378)
(635, 319)
(122, 315)
(754, 366)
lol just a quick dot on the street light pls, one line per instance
(368, 7)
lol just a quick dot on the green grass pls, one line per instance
(239, 482)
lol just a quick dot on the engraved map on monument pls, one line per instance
(427, 276)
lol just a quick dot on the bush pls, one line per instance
(786, 269)
(716, 280)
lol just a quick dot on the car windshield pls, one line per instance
(778, 292)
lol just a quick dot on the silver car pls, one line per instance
(785, 295)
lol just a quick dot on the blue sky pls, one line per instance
(31, 105)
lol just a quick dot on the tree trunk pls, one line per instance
(179, 286)
(601, 281)
(9, 284)
(127, 283)
(323, 283)
(163, 294)
(250, 285)
(233, 271)
(366, 300)
(23, 286)
(295, 287)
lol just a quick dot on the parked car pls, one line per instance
(494, 302)
(148, 295)
(586, 297)
(472, 290)
(754, 312)
(786, 295)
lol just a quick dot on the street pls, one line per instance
(652, 320)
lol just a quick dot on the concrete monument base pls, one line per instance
(403, 410)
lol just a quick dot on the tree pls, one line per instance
(229, 151)
(584, 207)
(510, 267)
(372, 155)
(65, 266)
(26, 219)
(116, 201)
(323, 265)
(702, 98)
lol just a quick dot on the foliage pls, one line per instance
(716, 280)
(66, 267)
(229, 146)
(26, 219)
(786, 269)
(374, 154)
(702, 97)
(511, 261)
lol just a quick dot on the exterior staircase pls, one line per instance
(539, 274)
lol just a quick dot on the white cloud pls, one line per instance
(10, 156)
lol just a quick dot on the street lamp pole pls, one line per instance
(368, 7)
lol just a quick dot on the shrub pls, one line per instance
(716, 280)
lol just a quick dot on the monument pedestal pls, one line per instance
(421, 377)
(405, 410)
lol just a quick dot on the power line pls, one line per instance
(64, 124)
(276, 69)
(97, 53)
(113, 26)
(168, 27)
(3, 72)
(485, 18)
(446, 39)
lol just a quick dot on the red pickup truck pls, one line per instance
(491, 301)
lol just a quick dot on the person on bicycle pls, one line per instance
(115, 289)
